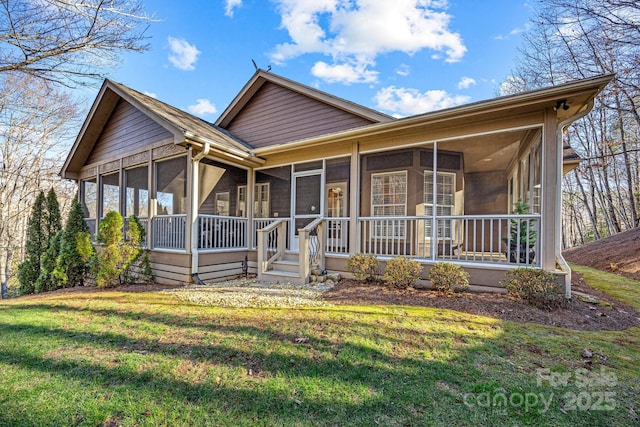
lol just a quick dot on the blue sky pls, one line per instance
(401, 57)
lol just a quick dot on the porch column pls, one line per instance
(551, 190)
(191, 226)
(354, 199)
(249, 200)
(151, 207)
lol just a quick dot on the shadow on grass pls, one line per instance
(365, 385)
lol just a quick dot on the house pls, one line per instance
(289, 177)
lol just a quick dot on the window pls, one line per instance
(110, 193)
(137, 192)
(389, 198)
(444, 201)
(171, 186)
(261, 202)
(222, 203)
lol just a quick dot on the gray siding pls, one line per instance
(276, 115)
(127, 129)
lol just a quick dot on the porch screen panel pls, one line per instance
(444, 201)
(272, 195)
(389, 198)
(171, 186)
(110, 193)
(137, 192)
(89, 198)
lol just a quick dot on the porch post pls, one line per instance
(191, 229)
(151, 207)
(354, 199)
(434, 195)
(251, 231)
(551, 190)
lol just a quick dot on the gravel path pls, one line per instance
(244, 293)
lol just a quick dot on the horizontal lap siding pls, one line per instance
(170, 268)
(219, 266)
(277, 115)
(126, 130)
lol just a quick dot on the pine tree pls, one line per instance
(51, 230)
(72, 267)
(48, 280)
(52, 219)
(29, 270)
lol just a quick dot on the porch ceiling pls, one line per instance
(487, 152)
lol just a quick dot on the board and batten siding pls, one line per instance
(276, 115)
(127, 129)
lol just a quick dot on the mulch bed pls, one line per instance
(579, 315)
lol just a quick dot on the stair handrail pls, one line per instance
(311, 253)
(275, 232)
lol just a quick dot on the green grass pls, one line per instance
(624, 289)
(112, 358)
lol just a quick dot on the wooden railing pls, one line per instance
(312, 247)
(337, 236)
(259, 223)
(271, 244)
(494, 239)
(169, 231)
(222, 232)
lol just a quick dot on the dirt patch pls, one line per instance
(609, 314)
(618, 254)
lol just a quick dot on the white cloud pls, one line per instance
(151, 94)
(230, 5)
(344, 73)
(357, 31)
(183, 54)
(403, 70)
(514, 32)
(202, 107)
(466, 82)
(411, 101)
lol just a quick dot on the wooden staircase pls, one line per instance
(285, 269)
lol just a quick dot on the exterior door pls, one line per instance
(307, 201)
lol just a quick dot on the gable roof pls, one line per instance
(182, 125)
(261, 77)
(577, 96)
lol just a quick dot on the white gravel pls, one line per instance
(246, 293)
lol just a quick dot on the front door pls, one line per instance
(307, 201)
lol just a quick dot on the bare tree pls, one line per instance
(68, 41)
(35, 119)
(573, 39)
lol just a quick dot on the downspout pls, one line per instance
(563, 263)
(195, 206)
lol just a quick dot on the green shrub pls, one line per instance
(448, 277)
(118, 260)
(73, 266)
(536, 287)
(402, 272)
(365, 267)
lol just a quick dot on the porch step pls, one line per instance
(286, 265)
(291, 256)
(282, 276)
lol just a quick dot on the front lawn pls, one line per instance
(120, 358)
